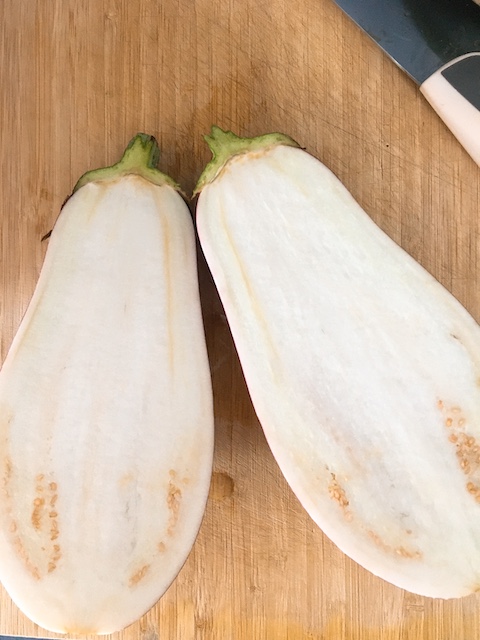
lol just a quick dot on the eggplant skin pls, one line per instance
(363, 370)
(106, 419)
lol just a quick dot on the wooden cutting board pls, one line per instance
(78, 79)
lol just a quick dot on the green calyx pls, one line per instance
(139, 158)
(225, 145)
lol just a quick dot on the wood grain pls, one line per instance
(78, 79)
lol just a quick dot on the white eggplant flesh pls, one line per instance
(364, 371)
(106, 419)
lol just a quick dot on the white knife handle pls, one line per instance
(454, 93)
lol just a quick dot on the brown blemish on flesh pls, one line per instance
(467, 449)
(174, 497)
(38, 502)
(55, 557)
(23, 555)
(53, 515)
(54, 533)
(8, 471)
(406, 553)
(138, 575)
(126, 480)
(18, 545)
(337, 493)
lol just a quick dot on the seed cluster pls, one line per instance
(44, 507)
(467, 449)
(174, 500)
(399, 551)
(338, 494)
(43, 510)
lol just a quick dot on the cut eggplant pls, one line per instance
(364, 371)
(106, 418)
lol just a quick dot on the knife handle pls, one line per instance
(454, 93)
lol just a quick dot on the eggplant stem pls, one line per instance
(225, 145)
(139, 158)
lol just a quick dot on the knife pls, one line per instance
(437, 43)
(2, 637)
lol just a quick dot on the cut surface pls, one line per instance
(363, 370)
(106, 425)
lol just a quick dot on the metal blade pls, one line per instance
(21, 638)
(420, 35)
(2, 637)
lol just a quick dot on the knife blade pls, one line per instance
(437, 43)
(2, 637)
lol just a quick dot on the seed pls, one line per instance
(449, 422)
